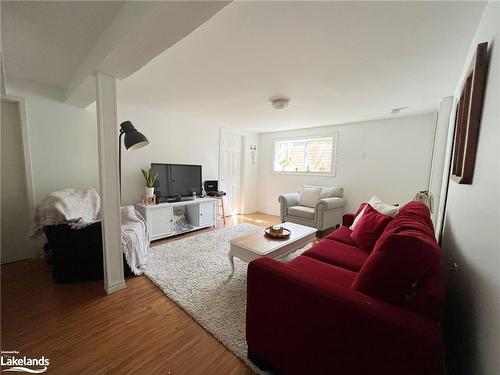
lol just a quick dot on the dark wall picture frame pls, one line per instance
(468, 117)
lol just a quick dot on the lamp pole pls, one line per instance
(120, 160)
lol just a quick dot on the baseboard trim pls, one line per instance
(268, 212)
(115, 287)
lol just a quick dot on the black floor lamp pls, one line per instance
(133, 140)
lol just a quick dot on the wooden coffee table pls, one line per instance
(255, 245)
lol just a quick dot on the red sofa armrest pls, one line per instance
(301, 324)
(347, 220)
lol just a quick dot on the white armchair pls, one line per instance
(327, 212)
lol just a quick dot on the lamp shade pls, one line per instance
(132, 139)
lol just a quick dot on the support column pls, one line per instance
(107, 134)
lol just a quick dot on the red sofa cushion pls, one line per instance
(416, 216)
(339, 254)
(343, 234)
(404, 255)
(370, 228)
(428, 297)
(323, 270)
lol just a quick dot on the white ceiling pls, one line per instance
(339, 62)
(46, 41)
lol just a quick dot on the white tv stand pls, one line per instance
(200, 213)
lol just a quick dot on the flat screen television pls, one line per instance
(176, 180)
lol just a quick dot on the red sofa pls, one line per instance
(337, 309)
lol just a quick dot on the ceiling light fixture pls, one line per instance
(279, 102)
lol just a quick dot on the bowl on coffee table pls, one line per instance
(277, 231)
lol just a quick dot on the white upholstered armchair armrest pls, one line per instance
(329, 212)
(287, 200)
(330, 203)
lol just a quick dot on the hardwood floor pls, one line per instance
(81, 330)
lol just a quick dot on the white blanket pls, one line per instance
(81, 207)
(78, 207)
(135, 239)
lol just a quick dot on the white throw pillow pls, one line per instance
(378, 206)
(309, 195)
(328, 191)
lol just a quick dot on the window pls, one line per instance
(305, 155)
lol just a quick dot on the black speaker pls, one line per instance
(211, 186)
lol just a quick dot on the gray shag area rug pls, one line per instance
(194, 273)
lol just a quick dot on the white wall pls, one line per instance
(176, 139)
(63, 140)
(396, 163)
(471, 232)
(172, 140)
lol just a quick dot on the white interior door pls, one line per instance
(230, 171)
(15, 218)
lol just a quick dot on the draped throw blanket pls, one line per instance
(80, 208)
(76, 207)
(135, 239)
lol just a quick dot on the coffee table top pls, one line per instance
(258, 243)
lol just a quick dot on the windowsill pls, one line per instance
(324, 174)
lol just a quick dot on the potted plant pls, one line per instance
(150, 178)
(285, 163)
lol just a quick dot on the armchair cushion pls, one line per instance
(309, 195)
(338, 254)
(302, 212)
(331, 192)
(328, 191)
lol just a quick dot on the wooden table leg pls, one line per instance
(223, 212)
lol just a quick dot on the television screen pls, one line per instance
(177, 180)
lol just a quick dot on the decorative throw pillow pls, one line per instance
(379, 206)
(309, 195)
(358, 216)
(405, 254)
(369, 228)
(331, 191)
(328, 191)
